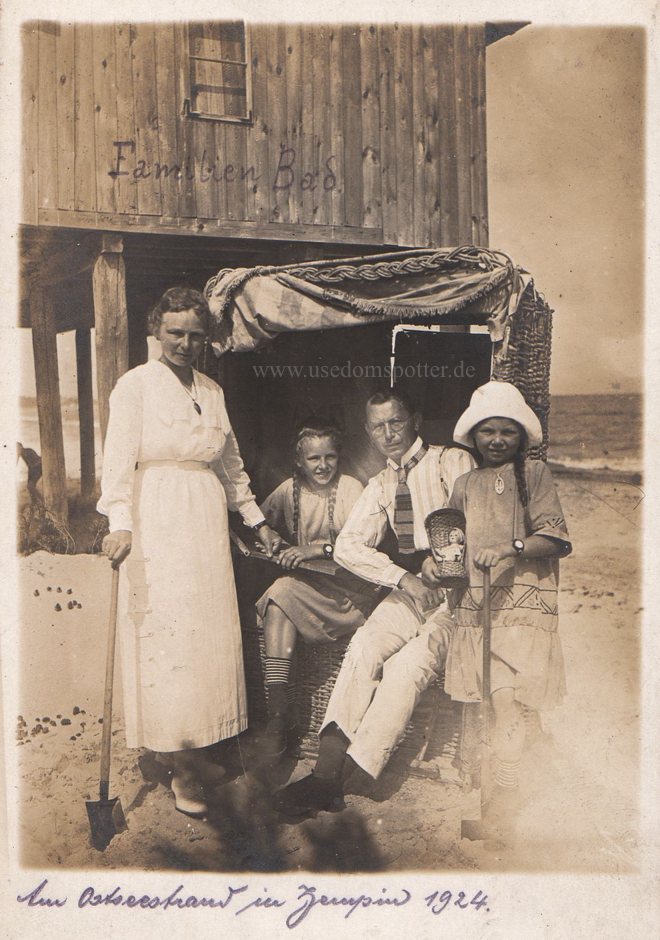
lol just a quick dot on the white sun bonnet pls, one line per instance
(497, 400)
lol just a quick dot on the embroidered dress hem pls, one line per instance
(533, 655)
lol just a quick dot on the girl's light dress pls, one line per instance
(526, 649)
(169, 475)
(322, 608)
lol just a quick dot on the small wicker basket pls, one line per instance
(446, 532)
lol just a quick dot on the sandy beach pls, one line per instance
(581, 776)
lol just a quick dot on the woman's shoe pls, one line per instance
(210, 774)
(188, 796)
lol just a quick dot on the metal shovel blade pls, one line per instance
(472, 829)
(106, 819)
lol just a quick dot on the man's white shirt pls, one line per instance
(430, 482)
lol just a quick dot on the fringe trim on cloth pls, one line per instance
(518, 317)
(224, 286)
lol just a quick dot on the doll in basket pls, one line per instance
(455, 550)
(308, 510)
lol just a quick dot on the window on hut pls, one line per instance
(218, 72)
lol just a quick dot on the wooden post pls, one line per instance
(111, 321)
(138, 350)
(85, 412)
(44, 345)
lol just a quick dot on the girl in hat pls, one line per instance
(515, 526)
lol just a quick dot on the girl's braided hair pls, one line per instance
(314, 426)
(519, 471)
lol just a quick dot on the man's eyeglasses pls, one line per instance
(396, 425)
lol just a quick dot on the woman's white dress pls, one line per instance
(169, 476)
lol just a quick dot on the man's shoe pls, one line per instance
(310, 795)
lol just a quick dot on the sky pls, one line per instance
(565, 113)
(565, 166)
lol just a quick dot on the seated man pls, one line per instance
(403, 645)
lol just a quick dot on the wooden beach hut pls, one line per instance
(326, 183)
(160, 154)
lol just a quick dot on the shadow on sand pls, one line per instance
(242, 831)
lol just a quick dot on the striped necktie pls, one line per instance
(403, 511)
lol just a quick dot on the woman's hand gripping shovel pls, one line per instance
(474, 829)
(106, 817)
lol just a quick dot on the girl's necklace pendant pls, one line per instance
(197, 407)
(499, 484)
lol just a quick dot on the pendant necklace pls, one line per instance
(499, 484)
(193, 395)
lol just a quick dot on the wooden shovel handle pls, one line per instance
(109, 677)
(485, 683)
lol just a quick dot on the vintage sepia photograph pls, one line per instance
(329, 470)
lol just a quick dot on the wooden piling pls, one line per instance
(85, 412)
(44, 344)
(111, 321)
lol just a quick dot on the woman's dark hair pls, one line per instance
(518, 461)
(393, 394)
(175, 300)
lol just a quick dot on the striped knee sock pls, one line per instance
(278, 670)
(277, 685)
(505, 773)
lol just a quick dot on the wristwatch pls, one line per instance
(327, 550)
(518, 546)
(259, 525)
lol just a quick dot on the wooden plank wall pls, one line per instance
(372, 134)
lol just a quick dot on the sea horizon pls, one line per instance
(591, 432)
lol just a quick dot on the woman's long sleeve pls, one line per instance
(228, 465)
(120, 452)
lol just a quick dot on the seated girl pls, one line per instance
(308, 510)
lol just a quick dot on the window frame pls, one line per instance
(248, 117)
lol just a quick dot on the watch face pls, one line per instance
(519, 545)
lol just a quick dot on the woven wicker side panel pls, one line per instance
(526, 363)
(316, 668)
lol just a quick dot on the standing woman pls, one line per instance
(171, 470)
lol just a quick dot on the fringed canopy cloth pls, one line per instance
(469, 285)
